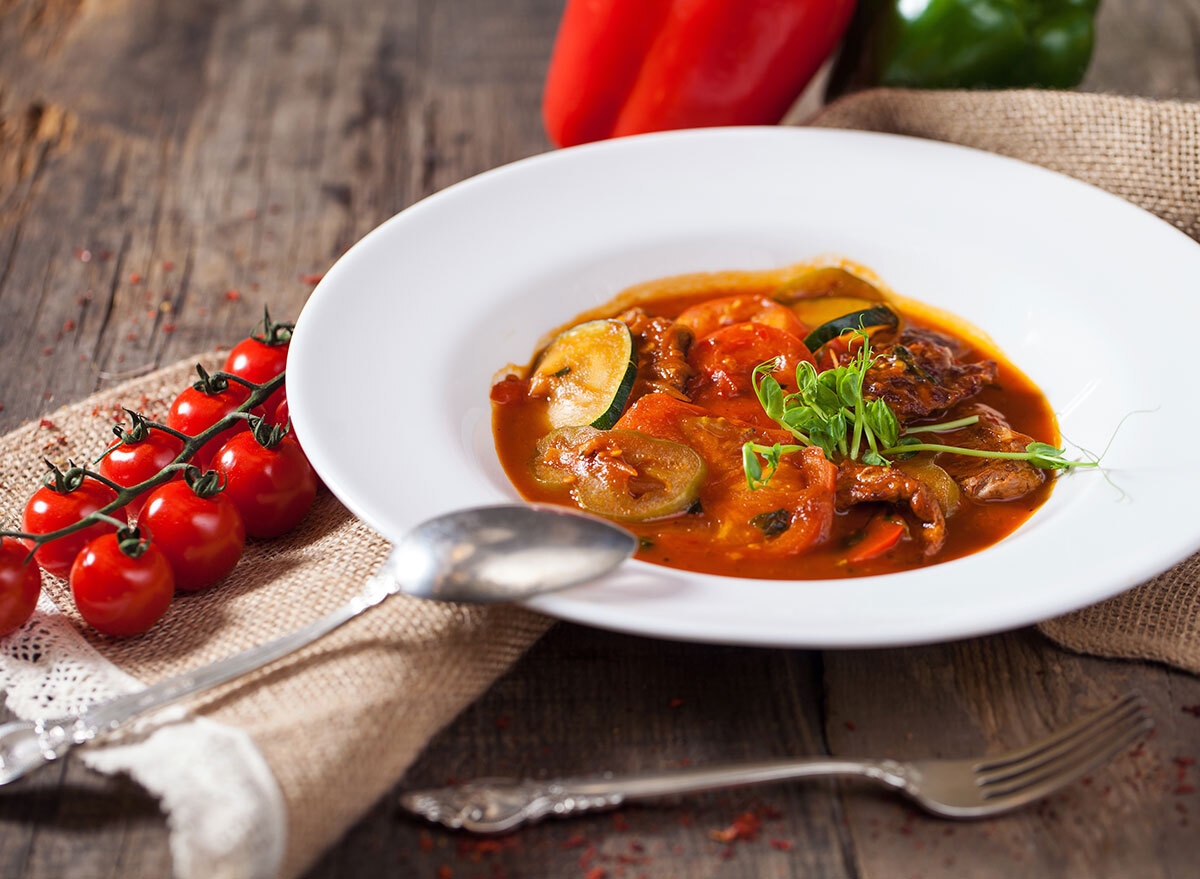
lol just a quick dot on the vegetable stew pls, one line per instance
(802, 423)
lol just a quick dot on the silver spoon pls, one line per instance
(485, 555)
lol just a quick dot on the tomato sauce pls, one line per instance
(702, 539)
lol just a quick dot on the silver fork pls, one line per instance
(973, 788)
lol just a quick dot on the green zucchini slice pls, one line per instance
(867, 319)
(621, 474)
(586, 374)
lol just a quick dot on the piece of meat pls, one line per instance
(864, 483)
(919, 375)
(662, 347)
(990, 479)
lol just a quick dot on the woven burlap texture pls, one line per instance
(337, 723)
(1142, 150)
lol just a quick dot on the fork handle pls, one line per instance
(652, 785)
(500, 805)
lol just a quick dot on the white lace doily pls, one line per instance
(224, 809)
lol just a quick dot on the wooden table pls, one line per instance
(166, 168)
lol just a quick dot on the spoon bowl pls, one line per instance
(505, 553)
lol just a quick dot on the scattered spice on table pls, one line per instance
(232, 295)
(314, 278)
(135, 278)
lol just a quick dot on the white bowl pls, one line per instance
(1079, 288)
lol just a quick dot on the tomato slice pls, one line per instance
(708, 317)
(726, 359)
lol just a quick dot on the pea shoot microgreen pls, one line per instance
(828, 410)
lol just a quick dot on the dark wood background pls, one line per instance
(168, 167)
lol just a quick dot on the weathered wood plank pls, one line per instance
(988, 695)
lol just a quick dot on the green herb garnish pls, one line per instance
(828, 410)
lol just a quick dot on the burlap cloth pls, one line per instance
(339, 723)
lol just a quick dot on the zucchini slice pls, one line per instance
(869, 318)
(586, 374)
(621, 474)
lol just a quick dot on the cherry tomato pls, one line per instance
(118, 592)
(281, 414)
(194, 411)
(262, 357)
(202, 537)
(49, 510)
(708, 317)
(130, 463)
(20, 584)
(272, 487)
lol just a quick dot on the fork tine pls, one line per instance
(1050, 778)
(1101, 727)
(1001, 760)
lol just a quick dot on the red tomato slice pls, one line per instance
(726, 359)
(708, 317)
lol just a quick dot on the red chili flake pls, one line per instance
(131, 337)
(68, 326)
(769, 812)
(425, 841)
(850, 725)
(1137, 753)
(684, 761)
(47, 351)
(232, 295)
(1193, 710)
(685, 820)
(313, 279)
(1185, 789)
(169, 328)
(167, 265)
(82, 255)
(1, 407)
(782, 844)
(585, 859)
(596, 873)
(575, 840)
(48, 424)
(502, 722)
(135, 278)
(252, 214)
(675, 702)
(104, 255)
(726, 853)
(744, 826)
(444, 872)
(1184, 761)
(620, 822)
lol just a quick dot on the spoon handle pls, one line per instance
(107, 716)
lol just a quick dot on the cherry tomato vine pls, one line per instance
(75, 475)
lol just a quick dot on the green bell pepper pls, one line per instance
(968, 43)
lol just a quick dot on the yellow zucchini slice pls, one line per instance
(586, 374)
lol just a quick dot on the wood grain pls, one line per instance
(168, 168)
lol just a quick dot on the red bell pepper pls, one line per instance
(629, 66)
